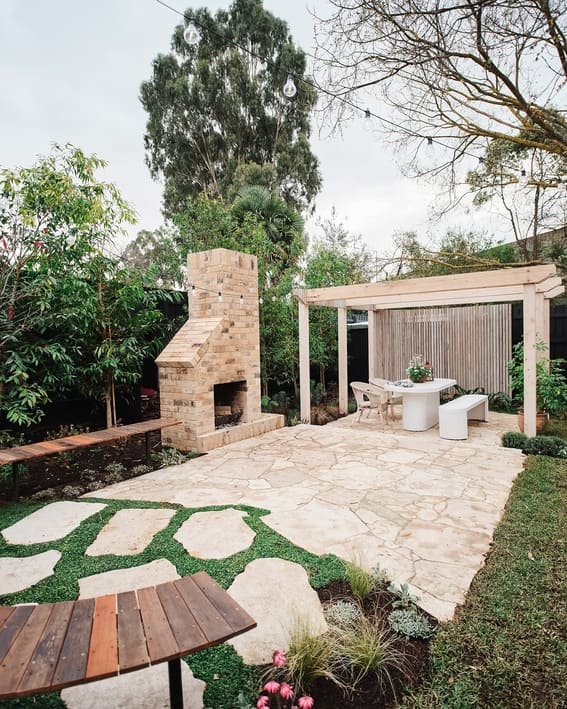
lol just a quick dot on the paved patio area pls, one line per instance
(422, 508)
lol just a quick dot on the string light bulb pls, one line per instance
(429, 146)
(191, 34)
(523, 177)
(261, 300)
(289, 89)
(241, 299)
(219, 297)
(367, 122)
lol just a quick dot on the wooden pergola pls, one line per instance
(534, 286)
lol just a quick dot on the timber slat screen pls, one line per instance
(50, 646)
(471, 344)
(18, 455)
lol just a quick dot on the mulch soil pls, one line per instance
(84, 468)
(371, 695)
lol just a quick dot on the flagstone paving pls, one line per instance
(420, 507)
(51, 522)
(278, 596)
(23, 572)
(129, 532)
(120, 580)
(143, 689)
(215, 535)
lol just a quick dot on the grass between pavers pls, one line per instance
(221, 667)
(506, 647)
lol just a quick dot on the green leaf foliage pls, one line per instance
(213, 108)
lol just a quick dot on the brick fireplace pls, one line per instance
(209, 374)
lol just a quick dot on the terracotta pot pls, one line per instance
(541, 420)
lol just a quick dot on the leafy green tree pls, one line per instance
(282, 224)
(215, 107)
(111, 323)
(155, 254)
(457, 251)
(71, 317)
(337, 258)
(262, 224)
(53, 216)
(533, 205)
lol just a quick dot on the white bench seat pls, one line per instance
(454, 415)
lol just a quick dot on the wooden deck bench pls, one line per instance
(48, 647)
(16, 456)
(454, 415)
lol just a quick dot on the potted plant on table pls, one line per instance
(418, 370)
(551, 385)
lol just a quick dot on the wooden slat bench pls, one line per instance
(16, 456)
(48, 647)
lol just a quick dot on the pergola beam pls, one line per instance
(369, 292)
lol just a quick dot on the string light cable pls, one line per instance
(192, 37)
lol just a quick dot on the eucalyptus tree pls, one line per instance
(217, 105)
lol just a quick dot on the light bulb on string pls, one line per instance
(261, 300)
(429, 146)
(523, 177)
(289, 89)
(191, 34)
(241, 299)
(367, 122)
(219, 297)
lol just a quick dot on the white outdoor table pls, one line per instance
(420, 402)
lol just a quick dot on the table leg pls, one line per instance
(175, 684)
(420, 411)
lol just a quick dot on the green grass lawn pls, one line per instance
(507, 646)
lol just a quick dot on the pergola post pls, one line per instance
(371, 344)
(542, 315)
(342, 364)
(530, 358)
(304, 373)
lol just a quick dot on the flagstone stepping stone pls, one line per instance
(19, 573)
(51, 522)
(277, 595)
(129, 532)
(144, 689)
(215, 535)
(120, 580)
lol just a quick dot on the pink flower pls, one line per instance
(263, 702)
(272, 687)
(286, 691)
(305, 702)
(279, 658)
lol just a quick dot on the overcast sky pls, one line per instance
(70, 71)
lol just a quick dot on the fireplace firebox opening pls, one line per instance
(230, 403)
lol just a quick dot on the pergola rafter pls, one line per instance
(534, 286)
